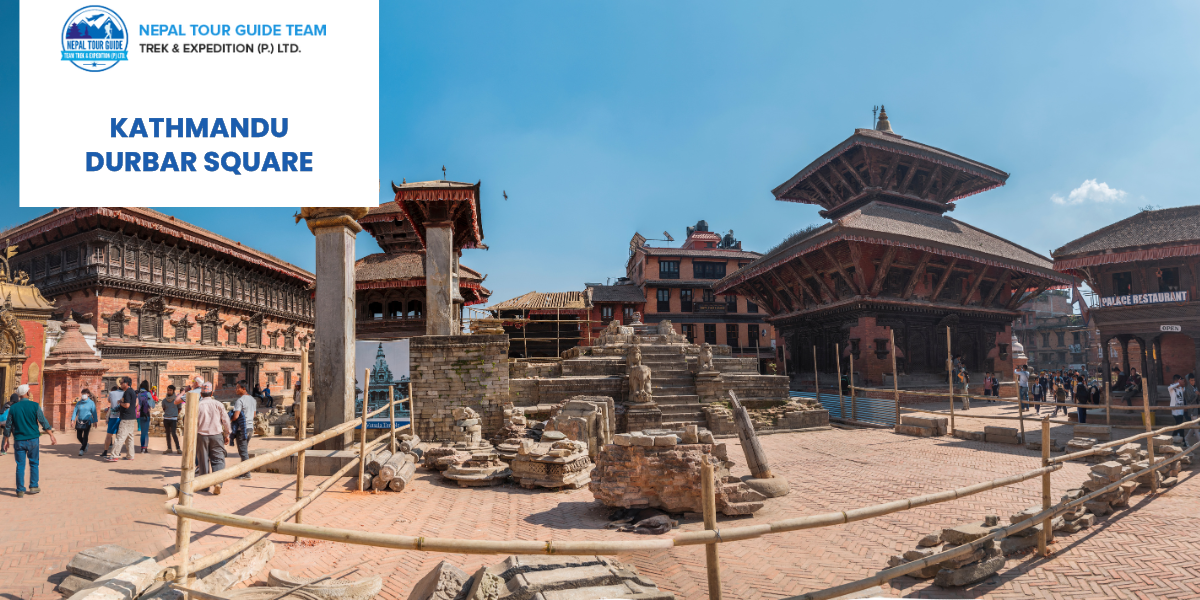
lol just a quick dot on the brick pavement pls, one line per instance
(1149, 552)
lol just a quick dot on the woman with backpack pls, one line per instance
(145, 403)
(83, 418)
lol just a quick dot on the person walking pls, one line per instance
(171, 403)
(146, 403)
(1176, 393)
(1190, 394)
(83, 418)
(995, 387)
(1038, 393)
(4, 426)
(243, 417)
(1083, 397)
(114, 419)
(24, 418)
(212, 434)
(1022, 376)
(127, 410)
(1060, 398)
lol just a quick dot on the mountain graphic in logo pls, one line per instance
(94, 39)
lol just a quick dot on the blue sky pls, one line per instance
(602, 119)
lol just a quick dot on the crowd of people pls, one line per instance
(128, 425)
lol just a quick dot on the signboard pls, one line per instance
(709, 308)
(1138, 299)
(1170, 328)
(385, 423)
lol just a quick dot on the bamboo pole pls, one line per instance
(187, 472)
(1045, 536)
(709, 503)
(978, 416)
(1128, 440)
(895, 375)
(1021, 418)
(950, 377)
(837, 354)
(853, 403)
(362, 435)
(392, 417)
(300, 411)
(1149, 427)
(246, 466)
(816, 376)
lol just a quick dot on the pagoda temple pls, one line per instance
(891, 261)
(391, 285)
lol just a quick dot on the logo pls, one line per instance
(94, 38)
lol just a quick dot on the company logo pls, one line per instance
(94, 38)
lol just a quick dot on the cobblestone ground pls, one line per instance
(1150, 551)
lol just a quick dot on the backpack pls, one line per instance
(144, 403)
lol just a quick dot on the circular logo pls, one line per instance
(94, 38)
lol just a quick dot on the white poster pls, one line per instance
(216, 103)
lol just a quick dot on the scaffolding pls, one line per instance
(533, 328)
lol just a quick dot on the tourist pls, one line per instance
(987, 383)
(83, 418)
(243, 419)
(146, 403)
(1190, 394)
(995, 387)
(1083, 397)
(24, 417)
(127, 408)
(1038, 393)
(212, 433)
(4, 432)
(1134, 387)
(1022, 376)
(268, 401)
(1175, 391)
(171, 403)
(114, 419)
(1060, 397)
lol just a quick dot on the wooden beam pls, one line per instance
(842, 271)
(1018, 289)
(937, 290)
(979, 273)
(917, 274)
(908, 178)
(799, 292)
(872, 176)
(803, 283)
(1041, 288)
(846, 163)
(817, 189)
(832, 192)
(856, 257)
(793, 303)
(937, 172)
(890, 171)
(944, 195)
(888, 256)
(846, 182)
(820, 280)
(996, 289)
(770, 296)
(750, 293)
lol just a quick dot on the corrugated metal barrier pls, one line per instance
(868, 410)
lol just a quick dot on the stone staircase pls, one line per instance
(674, 387)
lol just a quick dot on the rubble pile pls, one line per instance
(640, 470)
(984, 562)
(792, 414)
(539, 577)
(560, 464)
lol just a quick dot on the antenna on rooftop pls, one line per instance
(443, 172)
(874, 115)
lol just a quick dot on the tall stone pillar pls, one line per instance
(439, 278)
(333, 375)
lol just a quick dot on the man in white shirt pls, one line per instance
(114, 418)
(1176, 391)
(212, 433)
(243, 413)
(1022, 376)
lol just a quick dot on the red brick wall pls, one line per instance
(867, 365)
(31, 370)
(1178, 356)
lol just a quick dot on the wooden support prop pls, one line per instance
(987, 303)
(756, 459)
(392, 417)
(895, 375)
(937, 290)
(979, 273)
(853, 403)
(712, 560)
(816, 377)
(187, 472)
(950, 377)
(362, 436)
(916, 275)
(1021, 418)
(842, 271)
(1045, 536)
(1148, 418)
(837, 355)
(300, 412)
(884, 266)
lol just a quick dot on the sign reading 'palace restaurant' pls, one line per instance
(1136, 299)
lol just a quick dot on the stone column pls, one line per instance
(333, 389)
(439, 278)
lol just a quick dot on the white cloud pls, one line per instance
(1091, 191)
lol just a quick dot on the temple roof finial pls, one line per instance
(883, 124)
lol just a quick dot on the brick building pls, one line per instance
(678, 285)
(169, 299)
(613, 302)
(1053, 336)
(1146, 271)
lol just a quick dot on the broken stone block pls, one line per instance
(1011, 545)
(481, 470)
(912, 555)
(442, 583)
(340, 589)
(1086, 521)
(993, 560)
(1025, 514)
(1161, 440)
(563, 464)
(1027, 532)
(668, 478)
(938, 425)
(665, 440)
(916, 430)
(643, 440)
(925, 573)
(1075, 513)
(965, 534)
(960, 561)
(554, 578)
(932, 539)
(1110, 470)
(93, 563)
(72, 584)
(973, 436)
(1170, 481)
(1098, 432)
(991, 521)
(1069, 527)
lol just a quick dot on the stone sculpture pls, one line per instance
(588, 419)
(640, 387)
(706, 358)
(561, 464)
(761, 478)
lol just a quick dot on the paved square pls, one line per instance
(1149, 551)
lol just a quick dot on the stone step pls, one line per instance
(678, 422)
(678, 410)
(677, 399)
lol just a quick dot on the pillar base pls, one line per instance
(639, 417)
